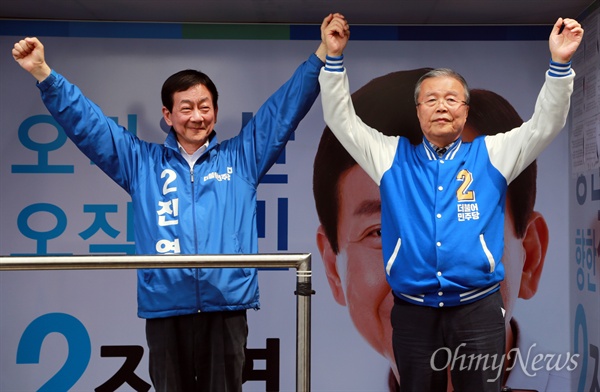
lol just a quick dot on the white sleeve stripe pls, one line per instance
(334, 64)
(559, 70)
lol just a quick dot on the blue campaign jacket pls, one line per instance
(210, 210)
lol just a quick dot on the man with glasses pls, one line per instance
(442, 214)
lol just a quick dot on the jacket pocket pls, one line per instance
(392, 259)
(488, 254)
(246, 272)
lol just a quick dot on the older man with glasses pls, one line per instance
(442, 214)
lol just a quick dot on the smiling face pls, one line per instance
(441, 122)
(193, 117)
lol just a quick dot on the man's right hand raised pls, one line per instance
(335, 33)
(29, 53)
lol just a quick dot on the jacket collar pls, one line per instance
(449, 154)
(171, 141)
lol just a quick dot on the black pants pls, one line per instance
(467, 339)
(199, 352)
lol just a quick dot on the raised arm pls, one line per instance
(513, 151)
(106, 143)
(335, 33)
(29, 53)
(371, 149)
(263, 138)
(565, 39)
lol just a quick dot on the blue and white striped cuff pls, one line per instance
(560, 70)
(334, 64)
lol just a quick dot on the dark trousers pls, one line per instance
(199, 352)
(467, 339)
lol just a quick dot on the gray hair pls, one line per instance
(442, 72)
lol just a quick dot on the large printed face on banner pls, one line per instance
(352, 252)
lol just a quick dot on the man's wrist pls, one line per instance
(559, 70)
(41, 73)
(334, 63)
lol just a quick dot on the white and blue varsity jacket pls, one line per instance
(442, 219)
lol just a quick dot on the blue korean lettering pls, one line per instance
(42, 149)
(77, 338)
(101, 223)
(585, 257)
(282, 223)
(41, 237)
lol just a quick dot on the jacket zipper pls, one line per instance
(195, 237)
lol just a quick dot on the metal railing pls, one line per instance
(301, 262)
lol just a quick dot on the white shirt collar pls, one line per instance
(191, 159)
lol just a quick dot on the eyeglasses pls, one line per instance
(448, 102)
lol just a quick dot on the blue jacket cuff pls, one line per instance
(334, 64)
(560, 70)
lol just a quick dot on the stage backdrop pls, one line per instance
(584, 208)
(75, 330)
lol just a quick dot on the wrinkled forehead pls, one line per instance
(442, 86)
